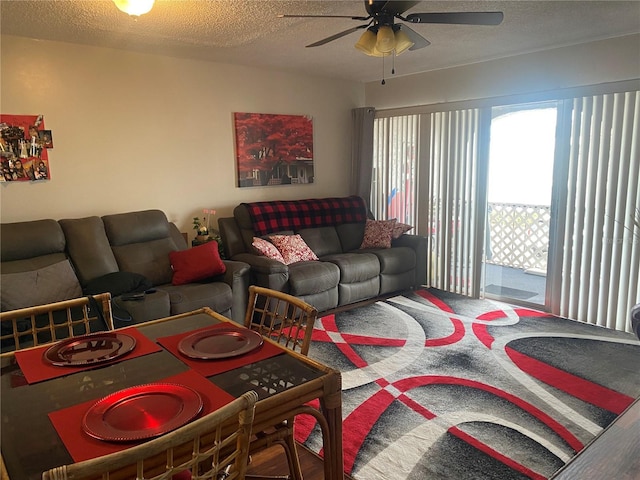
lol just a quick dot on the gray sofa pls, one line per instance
(138, 244)
(344, 273)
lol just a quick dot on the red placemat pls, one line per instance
(68, 421)
(213, 367)
(35, 369)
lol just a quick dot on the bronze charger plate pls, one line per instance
(219, 343)
(91, 349)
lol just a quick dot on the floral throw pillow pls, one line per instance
(266, 249)
(399, 229)
(293, 248)
(378, 233)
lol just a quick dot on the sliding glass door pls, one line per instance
(534, 203)
(520, 177)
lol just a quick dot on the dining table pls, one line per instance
(46, 406)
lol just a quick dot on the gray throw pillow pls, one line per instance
(53, 283)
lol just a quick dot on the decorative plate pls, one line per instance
(218, 343)
(142, 412)
(91, 349)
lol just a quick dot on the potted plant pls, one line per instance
(202, 231)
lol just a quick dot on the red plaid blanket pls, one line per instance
(275, 216)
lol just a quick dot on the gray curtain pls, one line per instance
(362, 152)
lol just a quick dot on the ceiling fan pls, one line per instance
(383, 36)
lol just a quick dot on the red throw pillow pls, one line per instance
(377, 233)
(196, 263)
(399, 229)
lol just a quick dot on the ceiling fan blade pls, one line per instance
(418, 40)
(461, 18)
(389, 7)
(362, 19)
(337, 35)
(399, 7)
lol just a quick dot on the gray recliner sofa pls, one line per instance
(344, 273)
(137, 243)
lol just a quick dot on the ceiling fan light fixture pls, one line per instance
(367, 42)
(134, 7)
(403, 42)
(378, 53)
(386, 40)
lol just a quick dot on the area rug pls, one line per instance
(440, 386)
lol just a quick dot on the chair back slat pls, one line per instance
(32, 326)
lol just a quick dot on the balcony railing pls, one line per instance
(518, 235)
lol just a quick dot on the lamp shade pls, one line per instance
(134, 7)
(377, 53)
(367, 42)
(403, 42)
(386, 40)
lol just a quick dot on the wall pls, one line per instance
(135, 131)
(586, 64)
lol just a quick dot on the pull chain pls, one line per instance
(383, 81)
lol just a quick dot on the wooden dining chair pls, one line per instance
(32, 326)
(205, 449)
(281, 317)
(288, 321)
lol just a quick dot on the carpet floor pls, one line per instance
(440, 386)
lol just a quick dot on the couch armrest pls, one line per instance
(266, 272)
(262, 264)
(419, 244)
(635, 319)
(237, 277)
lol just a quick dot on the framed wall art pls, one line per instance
(24, 142)
(273, 149)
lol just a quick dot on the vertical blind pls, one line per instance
(600, 246)
(456, 209)
(594, 255)
(395, 162)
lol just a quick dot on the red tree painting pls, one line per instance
(273, 149)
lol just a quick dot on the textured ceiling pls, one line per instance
(248, 32)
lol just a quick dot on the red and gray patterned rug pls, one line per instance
(440, 386)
